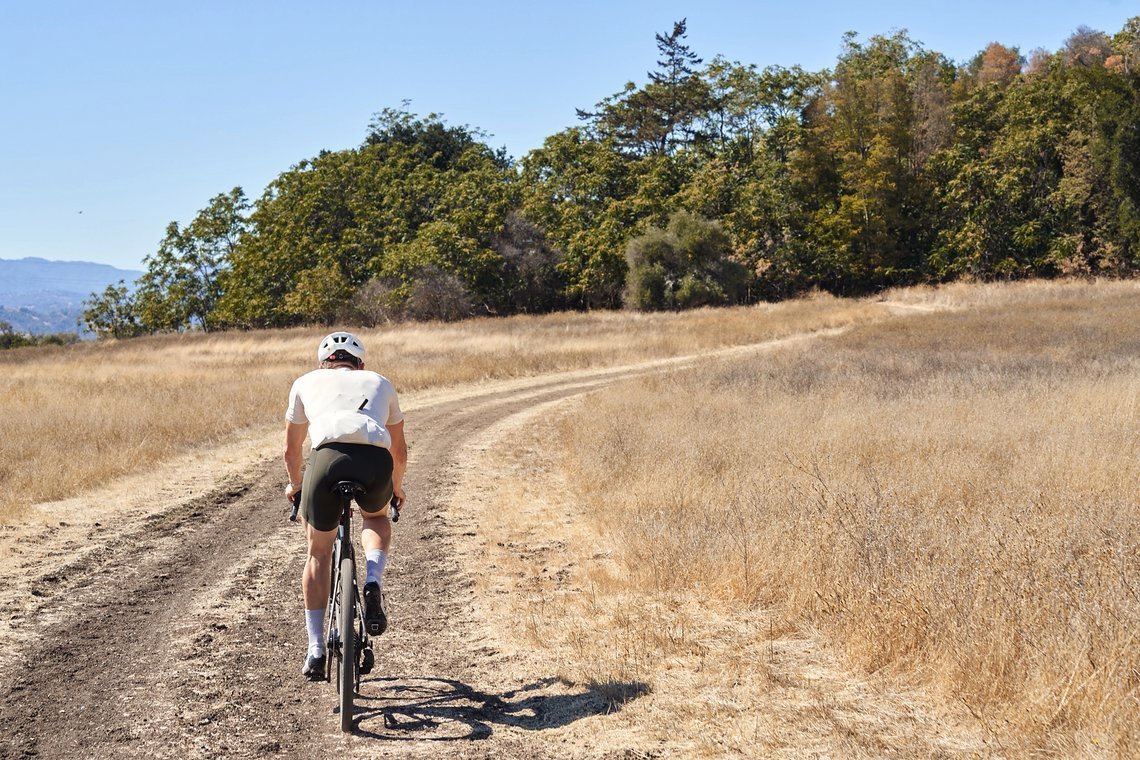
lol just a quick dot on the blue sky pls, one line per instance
(119, 117)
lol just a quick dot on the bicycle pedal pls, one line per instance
(367, 661)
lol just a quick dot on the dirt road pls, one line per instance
(172, 629)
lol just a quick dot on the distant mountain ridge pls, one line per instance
(40, 296)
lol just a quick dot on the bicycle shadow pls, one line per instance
(444, 709)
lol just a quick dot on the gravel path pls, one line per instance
(179, 634)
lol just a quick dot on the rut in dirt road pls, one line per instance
(101, 680)
(181, 636)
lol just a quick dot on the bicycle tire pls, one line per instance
(332, 645)
(346, 680)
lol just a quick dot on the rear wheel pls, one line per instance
(346, 675)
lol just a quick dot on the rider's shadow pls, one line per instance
(443, 709)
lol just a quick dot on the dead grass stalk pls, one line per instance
(951, 498)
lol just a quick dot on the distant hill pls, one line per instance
(40, 296)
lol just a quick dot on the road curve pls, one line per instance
(179, 635)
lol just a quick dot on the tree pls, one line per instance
(999, 182)
(112, 313)
(758, 174)
(358, 214)
(181, 286)
(1126, 47)
(300, 220)
(677, 94)
(573, 189)
(878, 126)
(997, 64)
(429, 137)
(1039, 62)
(533, 281)
(665, 114)
(9, 338)
(1087, 47)
(1036, 181)
(320, 294)
(686, 265)
(437, 295)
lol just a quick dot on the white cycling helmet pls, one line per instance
(336, 342)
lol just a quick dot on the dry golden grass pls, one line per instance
(950, 498)
(693, 676)
(77, 416)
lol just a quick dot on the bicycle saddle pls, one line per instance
(348, 488)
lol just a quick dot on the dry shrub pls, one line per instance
(952, 498)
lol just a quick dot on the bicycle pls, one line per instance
(346, 639)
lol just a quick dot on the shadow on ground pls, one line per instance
(442, 709)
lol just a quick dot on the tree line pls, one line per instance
(713, 183)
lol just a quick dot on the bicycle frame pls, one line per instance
(346, 639)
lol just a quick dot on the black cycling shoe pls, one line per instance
(314, 668)
(375, 616)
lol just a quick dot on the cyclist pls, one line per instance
(353, 419)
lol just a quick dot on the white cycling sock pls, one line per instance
(376, 561)
(315, 621)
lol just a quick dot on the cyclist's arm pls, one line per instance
(294, 455)
(399, 457)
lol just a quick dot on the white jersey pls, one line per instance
(345, 405)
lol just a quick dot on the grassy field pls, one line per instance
(75, 417)
(952, 499)
(946, 492)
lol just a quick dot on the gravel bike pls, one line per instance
(346, 640)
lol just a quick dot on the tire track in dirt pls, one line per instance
(181, 636)
(91, 682)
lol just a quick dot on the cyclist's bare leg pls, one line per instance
(377, 533)
(315, 592)
(315, 577)
(376, 537)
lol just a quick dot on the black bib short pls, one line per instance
(371, 466)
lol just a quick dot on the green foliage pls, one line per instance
(112, 313)
(710, 184)
(573, 191)
(687, 265)
(182, 285)
(1032, 185)
(882, 121)
(416, 194)
(9, 338)
(666, 114)
(319, 294)
(430, 139)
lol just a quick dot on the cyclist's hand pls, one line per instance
(289, 491)
(401, 497)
